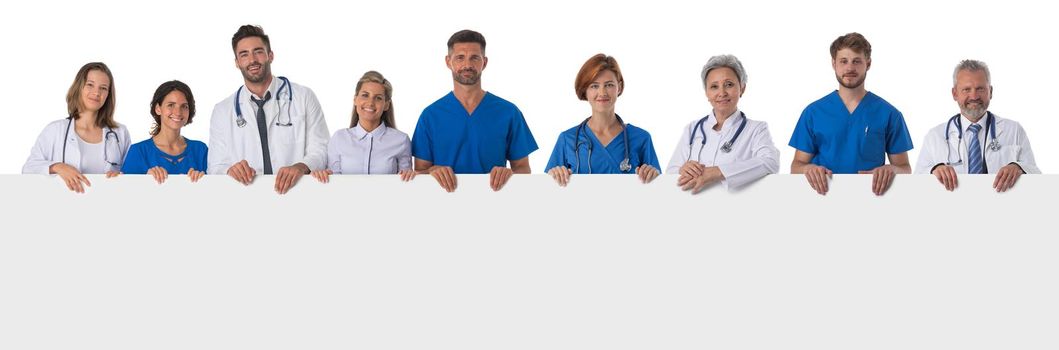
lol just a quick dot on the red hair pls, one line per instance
(592, 69)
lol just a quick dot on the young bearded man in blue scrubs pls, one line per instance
(470, 131)
(851, 130)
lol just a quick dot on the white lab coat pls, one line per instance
(304, 141)
(753, 154)
(1014, 147)
(49, 148)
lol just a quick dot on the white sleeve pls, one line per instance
(1025, 156)
(927, 159)
(334, 157)
(764, 160)
(126, 142)
(316, 134)
(40, 156)
(680, 154)
(219, 157)
(404, 155)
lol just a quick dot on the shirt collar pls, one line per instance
(732, 119)
(272, 86)
(359, 133)
(967, 122)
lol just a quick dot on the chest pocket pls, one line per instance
(873, 146)
(283, 128)
(492, 139)
(1006, 154)
(493, 149)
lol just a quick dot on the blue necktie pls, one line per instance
(975, 162)
(262, 130)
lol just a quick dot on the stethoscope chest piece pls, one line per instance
(582, 129)
(700, 128)
(727, 147)
(990, 129)
(994, 145)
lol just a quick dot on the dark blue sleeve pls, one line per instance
(648, 154)
(200, 154)
(522, 142)
(897, 138)
(802, 138)
(557, 154)
(421, 145)
(135, 161)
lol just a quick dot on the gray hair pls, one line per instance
(724, 61)
(972, 66)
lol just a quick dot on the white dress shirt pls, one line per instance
(356, 151)
(297, 130)
(753, 154)
(1014, 147)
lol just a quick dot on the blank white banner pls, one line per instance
(369, 262)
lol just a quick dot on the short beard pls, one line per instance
(855, 85)
(971, 112)
(473, 80)
(266, 71)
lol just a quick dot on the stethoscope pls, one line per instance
(106, 142)
(990, 128)
(699, 127)
(241, 122)
(624, 166)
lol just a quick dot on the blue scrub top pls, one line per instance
(847, 143)
(604, 160)
(145, 155)
(472, 143)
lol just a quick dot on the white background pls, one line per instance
(535, 50)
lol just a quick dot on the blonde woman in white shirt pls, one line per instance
(372, 144)
(724, 146)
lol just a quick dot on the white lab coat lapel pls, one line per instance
(247, 138)
(73, 151)
(956, 149)
(713, 154)
(1008, 152)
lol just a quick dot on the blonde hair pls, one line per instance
(387, 115)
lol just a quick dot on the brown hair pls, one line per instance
(467, 36)
(159, 97)
(247, 31)
(376, 77)
(853, 41)
(591, 70)
(74, 105)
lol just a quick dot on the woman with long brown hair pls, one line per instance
(88, 140)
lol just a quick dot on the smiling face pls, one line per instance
(851, 68)
(254, 59)
(95, 91)
(371, 102)
(602, 93)
(466, 61)
(174, 111)
(723, 90)
(972, 93)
